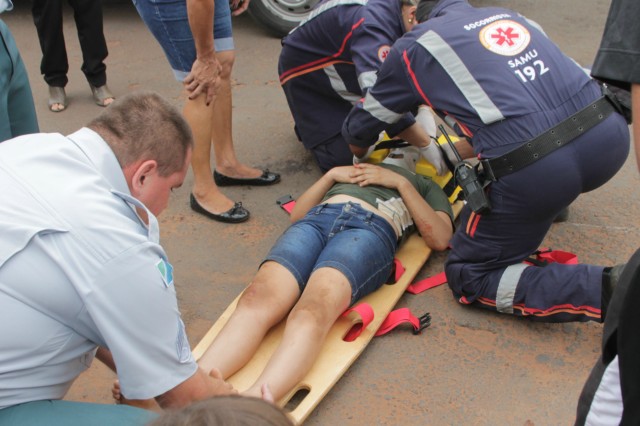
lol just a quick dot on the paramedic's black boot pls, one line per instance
(610, 277)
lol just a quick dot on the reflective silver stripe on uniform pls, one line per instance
(367, 79)
(459, 73)
(507, 287)
(338, 85)
(328, 5)
(377, 110)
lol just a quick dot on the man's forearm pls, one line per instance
(435, 231)
(104, 355)
(197, 387)
(312, 196)
(415, 135)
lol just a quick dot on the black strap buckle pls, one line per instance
(424, 322)
(487, 171)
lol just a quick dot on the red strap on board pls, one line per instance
(427, 283)
(366, 313)
(394, 319)
(397, 272)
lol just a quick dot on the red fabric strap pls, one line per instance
(366, 313)
(427, 283)
(400, 316)
(288, 206)
(558, 256)
(544, 256)
(398, 270)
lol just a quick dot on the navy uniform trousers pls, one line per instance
(485, 266)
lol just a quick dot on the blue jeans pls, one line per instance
(346, 237)
(168, 22)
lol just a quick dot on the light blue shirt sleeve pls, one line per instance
(133, 304)
(5, 5)
(154, 355)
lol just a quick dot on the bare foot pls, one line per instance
(147, 404)
(102, 95)
(108, 101)
(57, 107)
(221, 386)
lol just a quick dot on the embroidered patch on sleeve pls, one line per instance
(166, 271)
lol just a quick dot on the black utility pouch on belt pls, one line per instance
(468, 178)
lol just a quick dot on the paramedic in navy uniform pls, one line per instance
(498, 80)
(330, 60)
(81, 267)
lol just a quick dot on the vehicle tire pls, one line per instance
(280, 16)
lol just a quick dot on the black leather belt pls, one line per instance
(547, 142)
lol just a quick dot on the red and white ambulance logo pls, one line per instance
(505, 37)
(383, 52)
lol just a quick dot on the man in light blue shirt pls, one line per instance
(81, 267)
(17, 111)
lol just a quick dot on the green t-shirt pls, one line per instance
(382, 197)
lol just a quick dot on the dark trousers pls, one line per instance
(620, 338)
(332, 153)
(47, 16)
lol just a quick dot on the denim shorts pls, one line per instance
(168, 22)
(346, 237)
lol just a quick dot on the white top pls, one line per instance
(78, 269)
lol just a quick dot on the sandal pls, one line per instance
(102, 95)
(57, 96)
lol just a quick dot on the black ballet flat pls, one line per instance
(235, 214)
(267, 178)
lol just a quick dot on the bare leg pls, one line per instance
(326, 296)
(264, 303)
(225, 157)
(200, 119)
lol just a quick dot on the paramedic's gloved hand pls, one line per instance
(433, 155)
(425, 119)
(358, 160)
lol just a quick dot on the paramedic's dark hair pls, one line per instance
(424, 9)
